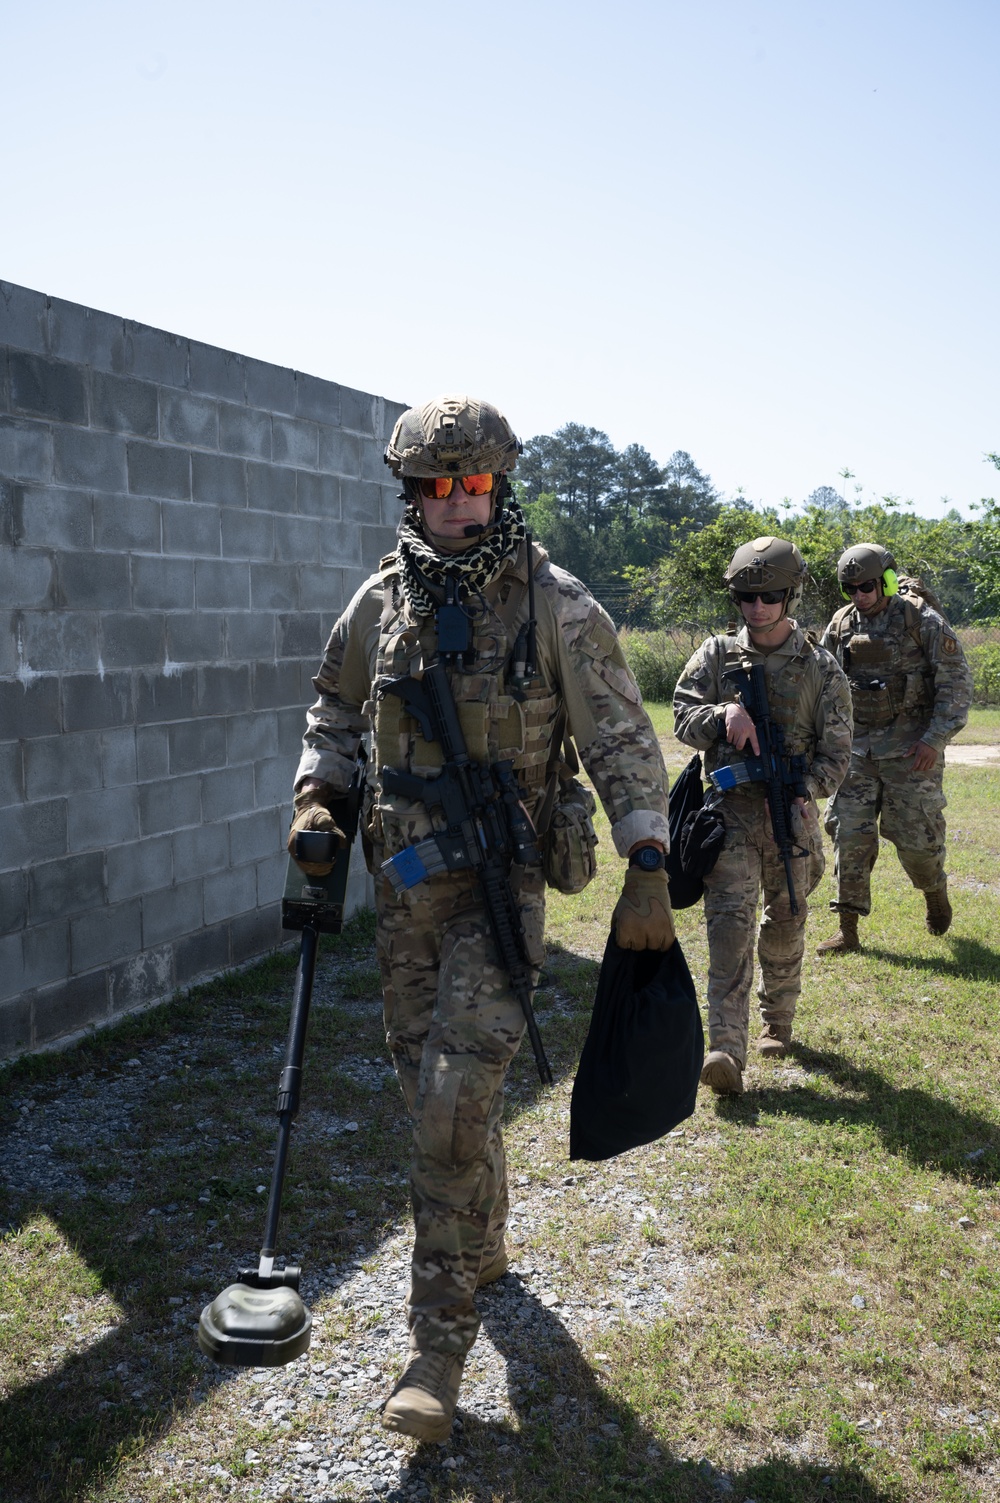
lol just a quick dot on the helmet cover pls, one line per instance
(452, 435)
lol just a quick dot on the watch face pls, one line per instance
(649, 858)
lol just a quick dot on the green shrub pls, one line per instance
(984, 660)
(657, 659)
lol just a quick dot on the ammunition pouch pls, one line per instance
(568, 848)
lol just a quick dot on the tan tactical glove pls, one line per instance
(642, 916)
(311, 813)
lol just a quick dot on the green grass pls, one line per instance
(836, 1334)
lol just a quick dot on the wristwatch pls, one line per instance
(648, 859)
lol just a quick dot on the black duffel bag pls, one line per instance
(696, 836)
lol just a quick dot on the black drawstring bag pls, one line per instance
(696, 836)
(639, 1070)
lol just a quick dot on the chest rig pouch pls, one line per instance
(888, 674)
(784, 692)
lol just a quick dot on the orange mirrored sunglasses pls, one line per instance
(441, 486)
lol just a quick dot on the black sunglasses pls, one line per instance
(766, 597)
(865, 588)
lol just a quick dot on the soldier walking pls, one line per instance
(808, 696)
(458, 594)
(911, 689)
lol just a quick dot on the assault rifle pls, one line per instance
(782, 774)
(487, 828)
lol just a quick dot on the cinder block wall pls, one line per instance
(179, 529)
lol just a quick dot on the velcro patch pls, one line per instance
(949, 645)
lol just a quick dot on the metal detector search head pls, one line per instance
(250, 1326)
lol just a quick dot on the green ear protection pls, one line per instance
(890, 585)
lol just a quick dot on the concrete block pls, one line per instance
(140, 979)
(244, 430)
(250, 737)
(170, 695)
(15, 1026)
(83, 457)
(126, 524)
(12, 780)
(46, 954)
(105, 935)
(27, 577)
(152, 752)
(360, 501)
(254, 836)
(218, 479)
(340, 543)
(58, 889)
(391, 413)
(9, 518)
(13, 901)
(46, 517)
(162, 584)
(139, 867)
(171, 912)
(296, 539)
(376, 542)
(250, 636)
(220, 373)
(92, 581)
(360, 411)
(199, 850)
(122, 405)
(31, 833)
(30, 708)
(227, 792)
(158, 470)
(247, 534)
(392, 507)
(307, 689)
(197, 745)
(54, 765)
(191, 421)
(271, 879)
(194, 637)
(202, 954)
(169, 805)
(118, 759)
(300, 635)
(69, 1007)
(50, 641)
(94, 703)
(270, 488)
(191, 529)
(12, 982)
(230, 892)
(270, 386)
(24, 322)
(25, 449)
(353, 578)
(41, 387)
(132, 639)
(272, 587)
(321, 588)
(295, 442)
(276, 685)
(155, 355)
(102, 817)
(256, 933)
(222, 585)
(316, 399)
(317, 496)
(85, 336)
(291, 728)
(340, 452)
(373, 465)
(273, 785)
(223, 689)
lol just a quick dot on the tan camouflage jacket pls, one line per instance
(908, 674)
(807, 693)
(583, 687)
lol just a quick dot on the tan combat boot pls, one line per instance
(494, 1265)
(722, 1073)
(846, 937)
(774, 1040)
(422, 1404)
(938, 910)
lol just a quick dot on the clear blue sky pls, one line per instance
(766, 233)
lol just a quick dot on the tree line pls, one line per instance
(652, 541)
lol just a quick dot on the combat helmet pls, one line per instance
(768, 564)
(452, 435)
(867, 561)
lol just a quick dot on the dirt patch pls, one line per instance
(972, 756)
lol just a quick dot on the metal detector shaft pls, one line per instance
(290, 1084)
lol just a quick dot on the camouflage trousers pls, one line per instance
(453, 1025)
(748, 862)
(886, 796)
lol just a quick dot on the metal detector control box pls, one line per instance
(316, 900)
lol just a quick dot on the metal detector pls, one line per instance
(261, 1321)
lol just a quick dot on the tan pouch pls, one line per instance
(569, 859)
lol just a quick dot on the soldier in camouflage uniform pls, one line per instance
(452, 1021)
(911, 689)
(808, 697)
